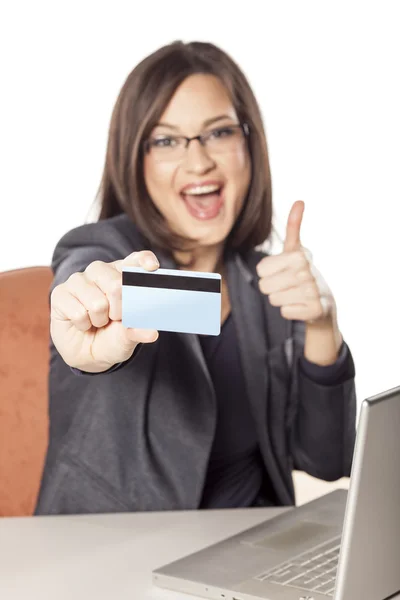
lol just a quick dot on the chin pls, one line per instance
(210, 235)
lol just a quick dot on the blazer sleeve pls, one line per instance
(76, 250)
(324, 423)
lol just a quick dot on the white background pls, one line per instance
(326, 75)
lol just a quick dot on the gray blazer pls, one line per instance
(139, 438)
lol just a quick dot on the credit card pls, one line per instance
(171, 300)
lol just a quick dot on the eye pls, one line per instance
(222, 132)
(167, 141)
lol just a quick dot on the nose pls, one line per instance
(197, 160)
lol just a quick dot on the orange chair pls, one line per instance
(24, 357)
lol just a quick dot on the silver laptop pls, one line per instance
(344, 546)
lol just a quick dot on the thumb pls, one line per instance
(118, 342)
(292, 239)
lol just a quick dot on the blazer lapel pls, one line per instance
(248, 315)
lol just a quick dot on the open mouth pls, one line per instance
(204, 201)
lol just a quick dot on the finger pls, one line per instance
(142, 336)
(65, 307)
(270, 265)
(298, 312)
(116, 343)
(292, 239)
(144, 259)
(304, 294)
(311, 311)
(91, 297)
(109, 281)
(284, 280)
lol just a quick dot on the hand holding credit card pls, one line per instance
(86, 315)
(106, 320)
(171, 300)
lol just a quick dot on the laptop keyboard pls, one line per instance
(312, 571)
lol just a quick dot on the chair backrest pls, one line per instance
(24, 358)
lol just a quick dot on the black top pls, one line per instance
(235, 471)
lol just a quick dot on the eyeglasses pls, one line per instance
(221, 140)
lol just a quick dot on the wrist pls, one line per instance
(323, 340)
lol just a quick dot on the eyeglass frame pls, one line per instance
(243, 126)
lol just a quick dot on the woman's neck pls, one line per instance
(206, 260)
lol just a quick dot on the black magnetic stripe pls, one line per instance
(172, 282)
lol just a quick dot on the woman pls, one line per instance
(141, 420)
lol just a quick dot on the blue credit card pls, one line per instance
(171, 300)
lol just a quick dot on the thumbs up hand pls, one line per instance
(290, 279)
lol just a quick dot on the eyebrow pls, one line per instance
(205, 123)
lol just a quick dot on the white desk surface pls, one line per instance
(106, 557)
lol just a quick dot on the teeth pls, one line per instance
(202, 189)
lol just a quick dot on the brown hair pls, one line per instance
(140, 104)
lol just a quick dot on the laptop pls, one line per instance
(344, 545)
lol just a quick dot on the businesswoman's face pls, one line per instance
(200, 188)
